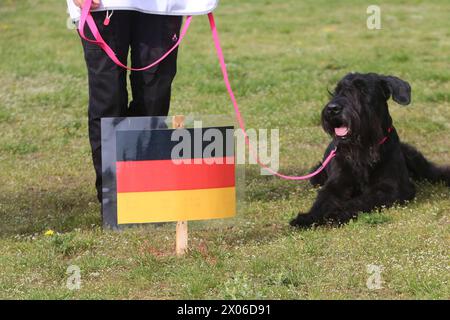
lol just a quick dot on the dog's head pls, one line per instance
(358, 112)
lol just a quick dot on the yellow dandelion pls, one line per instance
(49, 233)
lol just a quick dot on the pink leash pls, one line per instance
(86, 17)
(239, 117)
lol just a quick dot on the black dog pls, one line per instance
(372, 168)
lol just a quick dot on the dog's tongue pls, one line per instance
(341, 132)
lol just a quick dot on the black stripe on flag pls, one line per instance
(137, 145)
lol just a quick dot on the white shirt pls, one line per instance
(166, 7)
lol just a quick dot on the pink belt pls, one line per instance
(86, 18)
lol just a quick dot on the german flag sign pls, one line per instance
(164, 175)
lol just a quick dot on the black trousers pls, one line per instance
(149, 37)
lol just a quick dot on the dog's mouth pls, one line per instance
(337, 126)
(342, 132)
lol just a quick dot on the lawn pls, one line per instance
(282, 56)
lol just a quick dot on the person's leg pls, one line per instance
(108, 96)
(152, 36)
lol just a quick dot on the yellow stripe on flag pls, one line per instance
(183, 205)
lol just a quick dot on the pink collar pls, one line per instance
(382, 141)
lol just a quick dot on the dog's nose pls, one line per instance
(334, 109)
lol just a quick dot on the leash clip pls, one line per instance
(108, 18)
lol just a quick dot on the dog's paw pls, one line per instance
(302, 221)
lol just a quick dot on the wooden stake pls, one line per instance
(182, 226)
(182, 238)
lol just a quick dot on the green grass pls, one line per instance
(282, 56)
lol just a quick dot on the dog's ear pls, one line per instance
(399, 89)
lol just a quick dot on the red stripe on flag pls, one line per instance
(164, 175)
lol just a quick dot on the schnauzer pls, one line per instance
(372, 168)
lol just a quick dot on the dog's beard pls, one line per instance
(352, 128)
(356, 135)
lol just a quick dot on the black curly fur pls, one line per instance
(366, 175)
